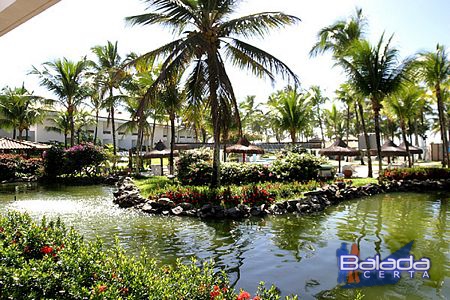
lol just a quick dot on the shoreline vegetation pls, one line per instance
(259, 200)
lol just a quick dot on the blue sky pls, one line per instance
(72, 27)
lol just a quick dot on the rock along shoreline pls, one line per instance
(128, 196)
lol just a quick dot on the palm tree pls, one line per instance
(334, 120)
(65, 79)
(207, 31)
(434, 69)
(338, 37)
(20, 109)
(96, 95)
(318, 100)
(405, 105)
(375, 73)
(61, 125)
(294, 111)
(109, 75)
(171, 101)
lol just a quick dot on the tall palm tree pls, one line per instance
(171, 101)
(434, 69)
(64, 78)
(339, 36)
(294, 111)
(20, 109)
(207, 32)
(318, 100)
(335, 122)
(375, 72)
(61, 124)
(109, 75)
(405, 105)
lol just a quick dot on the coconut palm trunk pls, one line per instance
(70, 112)
(443, 123)
(405, 141)
(172, 143)
(96, 127)
(376, 112)
(366, 137)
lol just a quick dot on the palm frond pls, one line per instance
(258, 24)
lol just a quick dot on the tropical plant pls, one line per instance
(334, 121)
(405, 106)
(294, 111)
(434, 69)
(317, 101)
(109, 76)
(375, 72)
(19, 109)
(64, 78)
(207, 32)
(338, 37)
(61, 125)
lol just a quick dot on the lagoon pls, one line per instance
(296, 253)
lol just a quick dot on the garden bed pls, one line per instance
(257, 202)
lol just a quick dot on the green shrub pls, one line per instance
(416, 173)
(82, 159)
(195, 167)
(48, 261)
(297, 167)
(15, 166)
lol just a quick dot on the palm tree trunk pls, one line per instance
(405, 141)
(443, 124)
(215, 116)
(20, 134)
(139, 143)
(319, 118)
(14, 133)
(293, 134)
(172, 143)
(153, 133)
(65, 140)
(96, 127)
(70, 111)
(366, 137)
(376, 112)
(358, 126)
(27, 134)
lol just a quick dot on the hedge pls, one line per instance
(416, 173)
(16, 166)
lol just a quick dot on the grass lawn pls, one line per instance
(362, 181)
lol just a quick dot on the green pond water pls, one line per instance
(296, 253)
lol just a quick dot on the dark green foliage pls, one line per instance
(54, 162)
(15, 166)
(297, 167)
(195, 168)
(82, 159)
(48, 261)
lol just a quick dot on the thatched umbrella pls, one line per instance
(243, 146)
(160, 151)
(339, 148)
(412, 149)
(390, 149)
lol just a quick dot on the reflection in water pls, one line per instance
(296, 253)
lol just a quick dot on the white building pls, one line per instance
(125, 141)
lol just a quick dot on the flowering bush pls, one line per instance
(79, 159)
(14, 166)
(49, 262)
(257, 196)
(238, 173)
(416, 173)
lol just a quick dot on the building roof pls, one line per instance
(15, 12)
(11, 144)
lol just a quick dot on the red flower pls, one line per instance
(46, 250)
(102, 288)
(256, 298)
(244, 296)
(2, 229)
(124, 290)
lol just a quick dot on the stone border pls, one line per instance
(128, 195)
